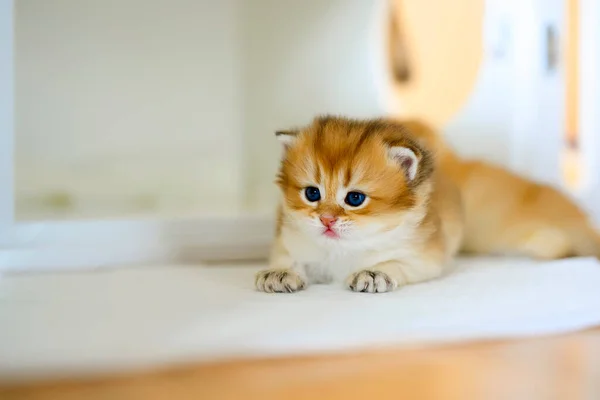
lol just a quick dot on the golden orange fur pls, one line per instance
(406, 230)
(507, 214)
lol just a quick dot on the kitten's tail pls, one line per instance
(586, 242)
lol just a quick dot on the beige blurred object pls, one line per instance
(571, 61)
(571, 166)
(436, 48)
(571, 157)
(561, 367)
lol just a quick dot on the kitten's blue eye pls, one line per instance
(355, 199)
(312, 194)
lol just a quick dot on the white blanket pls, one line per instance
(117, 319)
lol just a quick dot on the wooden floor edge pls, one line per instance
(570, 358)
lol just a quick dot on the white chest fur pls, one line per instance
(324, 260)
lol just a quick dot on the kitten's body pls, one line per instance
(507, 214)
(408, 231)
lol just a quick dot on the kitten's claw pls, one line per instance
(371, 282)
(278, 281)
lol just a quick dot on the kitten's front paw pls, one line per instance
(371, 282)
(278, 281)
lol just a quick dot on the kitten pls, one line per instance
(364, 204)
(506, 214)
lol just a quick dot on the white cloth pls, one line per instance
(117, 319)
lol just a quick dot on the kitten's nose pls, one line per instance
(328, 220)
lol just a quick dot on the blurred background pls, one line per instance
(168, 107)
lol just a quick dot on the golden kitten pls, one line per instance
(364, 204)
(507, 214)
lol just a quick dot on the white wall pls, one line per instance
(128, 101)
(6, 119)
(589, 112)
(136, 104)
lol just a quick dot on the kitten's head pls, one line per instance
(346, 180)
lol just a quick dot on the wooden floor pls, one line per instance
(563, 367)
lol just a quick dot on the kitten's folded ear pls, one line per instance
(416, 162)
(406, 159)
(287, 137)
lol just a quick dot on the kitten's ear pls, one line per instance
(407, 159)
(286, 138)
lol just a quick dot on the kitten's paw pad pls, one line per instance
(371, 282)
(278, 281)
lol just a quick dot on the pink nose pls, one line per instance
(328, 220)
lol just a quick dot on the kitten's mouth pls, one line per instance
(330, 233)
